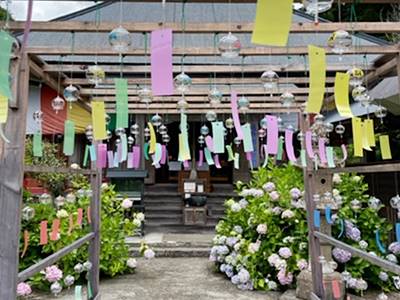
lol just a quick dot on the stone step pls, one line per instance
(180, 228)
(176, 252)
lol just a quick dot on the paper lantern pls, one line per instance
(119, 39)
(229, 46)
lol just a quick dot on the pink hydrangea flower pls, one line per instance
(53, 274)
(126, 204)
(285, 252)
(302, 264)
(285, 278)
(269, 186)
(23, 289)
(274, 195)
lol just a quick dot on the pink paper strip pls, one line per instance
(216, 161)
(336, 289)
(289, 145)
(322, 150)
(155, 164)
(136, 156)
(235, 116)
(344, 150)
(272, 134)
(43, 233)
(186, 164)
(110, 157)
(210, 143)
(161, 63)
(163, 160)
(101, 156)
(309, 146)
(249, 156)
(55, 229)
(130, 160)
(79, 218)
(201, 158)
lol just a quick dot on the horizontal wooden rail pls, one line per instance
(384, 264)
(45, 169)
(381, 168)
(32, 270)
(203, 111)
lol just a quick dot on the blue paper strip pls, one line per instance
(398, 232)
(378, 242)
(341, 228)
(218, 137)
(328, 215)
(78, 292)
(317, 218)
(93, 155)
(209, 159)
(124, 142)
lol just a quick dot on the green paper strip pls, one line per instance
(247, 138)
(78, 292)
(89, 290)
(121, 86)
(69, 137)
(280, 149)
(86, 156)
(6, 42)
(93, 154)
(329, 156)
(218, 131)
(124, 142)
(37, 144)
(303, 158)
(236, 161)
(208, 156)
(231, 157)
(146, 151)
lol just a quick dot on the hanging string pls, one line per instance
(183, 24)
(72, 51)
(97, 24)
(120, 13)
(7, 17)
(215, 57)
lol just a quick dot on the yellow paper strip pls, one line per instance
(342, 95)
(273, 21)
(365, 141)
(317, 79)
(357, 137)
(3, 109)
(153, 139)
(79, 116)
(385, 147)
(99, 120)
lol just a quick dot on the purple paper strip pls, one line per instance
(322, 150)
(110, 157)
(136, 156)
(309, 146)
(201, 158)
(249, 156)
(235, 116)
(161, 63)
(130, 160)
(101, 156)
(163, 160)
(216, 161)
(272, 134)
(289, 145)
(119, 151)
(186, 164)
(210, 143)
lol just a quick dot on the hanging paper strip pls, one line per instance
(55, 229)
(265, 151)
(208, 156)
(129, 163)
(88, 215)
(231, 157)
(102, 156)
(328, 215)
(289, 145)
(317, 79)
(78, 292)
(279, 155)
(309, 147)
(272, 134)
(210, 143)
(357, 137)
(124, 148)
(153, 139)
(117, 156)
(370, 132)
(216, 162)
(37, 144)
(99, 120)
(341, 228)
(337, 294)
(385, 147)
(330, 157)
(121, 86)
(79, 217)
(110, 158)
(235, 116)
(6, 42)
(26, 243)
(155, 163)
(3, 109)
(157, 155)
(70, 225)
(93, 154)
(378, 242)
(136, 157)
(341, 92)
(303, 158)
(317, 218)
(236, 161)
(146, 151)
(344, 150)
(365, 142)
(249, 157)
(69, 138)
(161, 63)
(186, 165)
(43, 233)
(164, 155)
(201, 158)
(185, 138)
(247, 138)
(322, 151)
(218, 137)
(80, 116)
(272, 23)
(398, 232)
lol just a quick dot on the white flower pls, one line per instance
(236, 207)
(75, 166)
(257, 193)
(149, 254)
(356, 178)
(254, 247)
(392, 258)
(273, 259)
(336, 178)
(262, 229)
(274, 196)
(272, 285)
(140, 216)
(302, 264)
(287, 214)
(383, 276)
(269, 186)
(104, 185)
(277, 210)
(281, 264)
(244, 275)
(363, 244)
(288, 239)
(285, 252)
(335, 192)
(237, 246)
(243, 203)
(62, 213)
(137, 222)
(131, 263)
(126, 204)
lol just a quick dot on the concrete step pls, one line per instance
(176, 252)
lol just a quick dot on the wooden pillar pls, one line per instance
(11, 178)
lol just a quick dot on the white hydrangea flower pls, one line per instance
(131, 263)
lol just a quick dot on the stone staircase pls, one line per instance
(163, 208)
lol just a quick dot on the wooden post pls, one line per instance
(11, 178)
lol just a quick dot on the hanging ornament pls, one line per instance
(131, 140)
(200, 140)
(163, 129)
(71, 94)
(359, 93)
(69, 281)
(182, 82)
(270, 80)
(229, 46)
(145, 95)
(237, 141)
(211, 116)
(243, 104)
(287, 99)
(45, 198)
(135, 129)
(59, 201)
(328, 127)
(225, 132)
(57, 104)
(264, 123)
(120, 39)
(204, 130)
(319, 120)
(95, 74)
(215, 96)
(182, 105)
(380, 112)
(374, 203)
(27, 213)
(55, 288)
(109, 134)
(87, 266)
(118, 141)
(281, 126)
(300, 136)
(70, 198)
(314, 7)
(395, 202)
(262, 133)
(340, 129)
(89, 132)
(229, 123)
(119, 131)
(166, 139)
(38, 116)
(156, 120)
(146, 132)
(356, 76)
(340, 41)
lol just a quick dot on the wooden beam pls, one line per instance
(370, 168)
(201, 99)
(37, 71)
(245, 27)
(47, 169)
(202, 111)
(203, 106)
